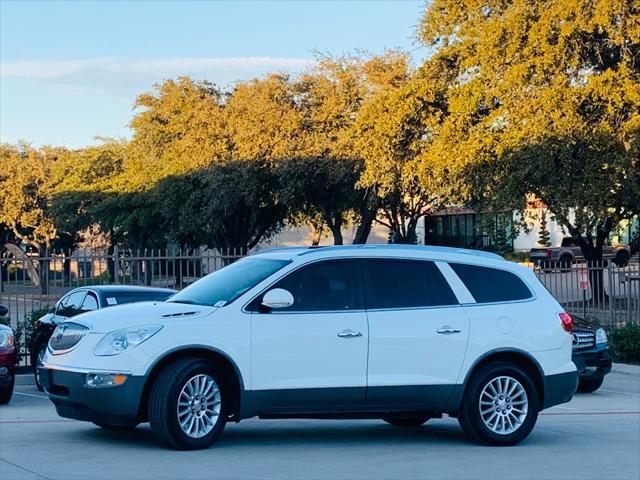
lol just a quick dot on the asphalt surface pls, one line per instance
(594, 436)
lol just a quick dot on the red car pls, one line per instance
(8, 356)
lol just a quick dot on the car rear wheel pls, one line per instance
(187, 405)
(500, 405)
(6, 393)
(621, 259)
(590, 385)
(565, 262)
(407, 421)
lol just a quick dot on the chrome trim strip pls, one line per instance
(49, 366)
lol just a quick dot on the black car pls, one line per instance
(591, 354)
(81, 300)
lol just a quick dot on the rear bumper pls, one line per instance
(118, 405)
(593, 363)
(559, 388)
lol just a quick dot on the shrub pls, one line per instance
(625, 343)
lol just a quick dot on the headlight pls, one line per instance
(120, 341)
(6, 338)
(601, 336)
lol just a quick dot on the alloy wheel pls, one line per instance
(503, 405)
(199, 406)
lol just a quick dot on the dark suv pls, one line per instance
(591, 354)
(82, 300)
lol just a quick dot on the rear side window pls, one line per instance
(489, 285)
(406, 284)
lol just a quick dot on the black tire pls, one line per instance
(163, 404)
(6, 393)
(407, 421)
(470, 418)
(565, 263)
(590, 385)
(621, 259)
(42, 346)
(116, 427)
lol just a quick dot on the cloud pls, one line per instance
(163, 67)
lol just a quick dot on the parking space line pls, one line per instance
(590, 413)
(36, 421)
(31, 395)
(623, 393)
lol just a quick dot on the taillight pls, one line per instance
(566, 320)
(549, 252)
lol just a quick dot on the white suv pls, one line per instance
(401, 333)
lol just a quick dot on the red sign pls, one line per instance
(584, 278)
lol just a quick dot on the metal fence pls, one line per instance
(31, 283)
(603, 292)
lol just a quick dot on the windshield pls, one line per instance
(228, 283)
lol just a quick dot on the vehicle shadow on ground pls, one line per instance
(257, 435)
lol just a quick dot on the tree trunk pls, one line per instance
(43, 251)
(335, 226)
(367, 216)
(593, 254)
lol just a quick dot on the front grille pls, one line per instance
(66, 336)
(583, 340)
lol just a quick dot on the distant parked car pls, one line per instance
(569, 252)
(591, 354)
(82, 300)
(8, 356)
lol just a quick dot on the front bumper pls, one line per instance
(7, 366)
(594, 363)
(118, 405)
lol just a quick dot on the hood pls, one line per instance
(144, 313)
(582, 324)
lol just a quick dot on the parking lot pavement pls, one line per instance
(594, 436)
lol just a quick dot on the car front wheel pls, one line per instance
(500, 405)
(187, 407)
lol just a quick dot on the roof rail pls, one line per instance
(423, 248)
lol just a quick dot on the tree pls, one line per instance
(321, 191)
(179, 127)
(393, 134)
(24, 195)
(230, 204)
(544, 237)
(263, 120)
(546, 102)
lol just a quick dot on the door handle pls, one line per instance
(348, 333)
(447, 330)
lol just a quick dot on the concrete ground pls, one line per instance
(594, 436)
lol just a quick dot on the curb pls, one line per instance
(625, 369)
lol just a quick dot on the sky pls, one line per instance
(71, 70)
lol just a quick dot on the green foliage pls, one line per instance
(321, 191)
(547, 104)
(625, 343)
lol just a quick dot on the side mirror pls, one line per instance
(277, 298)
(3, 311)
